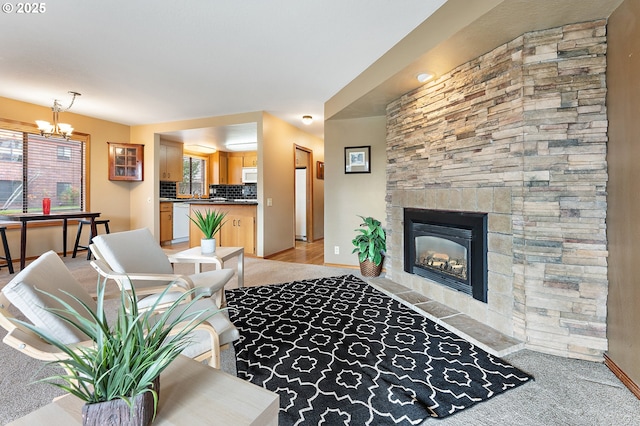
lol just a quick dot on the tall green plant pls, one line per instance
(370, 243)
(127, 356)
(210, 222)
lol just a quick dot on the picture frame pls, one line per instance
(357, 159)
(320, 169)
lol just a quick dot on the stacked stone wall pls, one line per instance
(520, 134)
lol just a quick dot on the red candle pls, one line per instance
(46, 205)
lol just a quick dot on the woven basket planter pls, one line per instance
(370, 269)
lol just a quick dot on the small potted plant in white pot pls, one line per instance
(209, 223)
(370, 244)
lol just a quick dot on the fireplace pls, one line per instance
(448, 247)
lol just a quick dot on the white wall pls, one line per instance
(350, 195)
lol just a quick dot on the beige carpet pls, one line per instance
(565, 391)
(19, 395)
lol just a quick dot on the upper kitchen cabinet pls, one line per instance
(238, 160)
(125, 161)
(250, 159)
(170, 161)
(234, 168)
(219, 170)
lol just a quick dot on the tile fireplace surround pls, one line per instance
(519, 133)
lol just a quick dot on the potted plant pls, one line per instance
(209, 223)
(117, 376)
(370, 244)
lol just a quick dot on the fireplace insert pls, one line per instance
(448, 247)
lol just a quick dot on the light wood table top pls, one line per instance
(222, 254)
(191, 393)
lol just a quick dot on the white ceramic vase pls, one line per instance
(208, 245)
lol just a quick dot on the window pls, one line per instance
(64, 153)
(66, 194)
(11, 151)
(193, 176)
(33, 167)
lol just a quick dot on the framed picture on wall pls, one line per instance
(320, 169)
(357, 159)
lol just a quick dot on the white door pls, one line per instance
(301, 204)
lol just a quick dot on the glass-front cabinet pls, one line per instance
(125, 161)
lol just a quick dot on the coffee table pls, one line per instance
(191, 393)
(222, 254)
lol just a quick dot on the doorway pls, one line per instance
(303, 194)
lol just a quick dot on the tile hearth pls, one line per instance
(481, 335)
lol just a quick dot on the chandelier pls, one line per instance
(57, 129)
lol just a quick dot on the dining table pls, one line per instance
(64, 216)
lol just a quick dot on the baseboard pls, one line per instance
(277, 253)
(339, 265)
(626, 380)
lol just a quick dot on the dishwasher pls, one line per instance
(180, 222)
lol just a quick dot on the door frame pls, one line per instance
(309, 186)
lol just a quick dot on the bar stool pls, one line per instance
(7, 254)
(81, 222)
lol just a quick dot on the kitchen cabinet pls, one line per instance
(125, 161)
(250, 159)
(238, 160)
(239, 229)
(219, 168)
(234, 170)
(166, 222)
(170, 161)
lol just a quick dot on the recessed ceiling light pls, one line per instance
(307, 119)
(424, 77)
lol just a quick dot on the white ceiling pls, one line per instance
(142, 62)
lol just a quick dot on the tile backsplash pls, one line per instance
(167, 190)
(248, 190)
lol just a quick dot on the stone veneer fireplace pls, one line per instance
(518, 134)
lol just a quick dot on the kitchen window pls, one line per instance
(194, 170)
(33, 167)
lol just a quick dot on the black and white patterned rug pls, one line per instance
(338, 351)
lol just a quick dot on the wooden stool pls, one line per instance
(81, 222)
(7, 254)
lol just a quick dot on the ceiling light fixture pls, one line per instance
(424, 77)
(57, 129)
(241, 145)
(200, 148)
(307, 119)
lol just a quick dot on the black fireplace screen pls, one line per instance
(449, 248)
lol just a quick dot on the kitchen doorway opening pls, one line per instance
(303, 194)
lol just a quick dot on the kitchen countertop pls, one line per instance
(208, 201)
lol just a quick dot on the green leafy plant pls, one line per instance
(126, 357)
(210, 222)
(370, 243)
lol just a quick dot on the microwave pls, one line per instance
(249, 175)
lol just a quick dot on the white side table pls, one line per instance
(222, 254)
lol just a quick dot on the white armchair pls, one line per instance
(135, 258)
(49, 274)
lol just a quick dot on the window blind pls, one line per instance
(33, 167)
